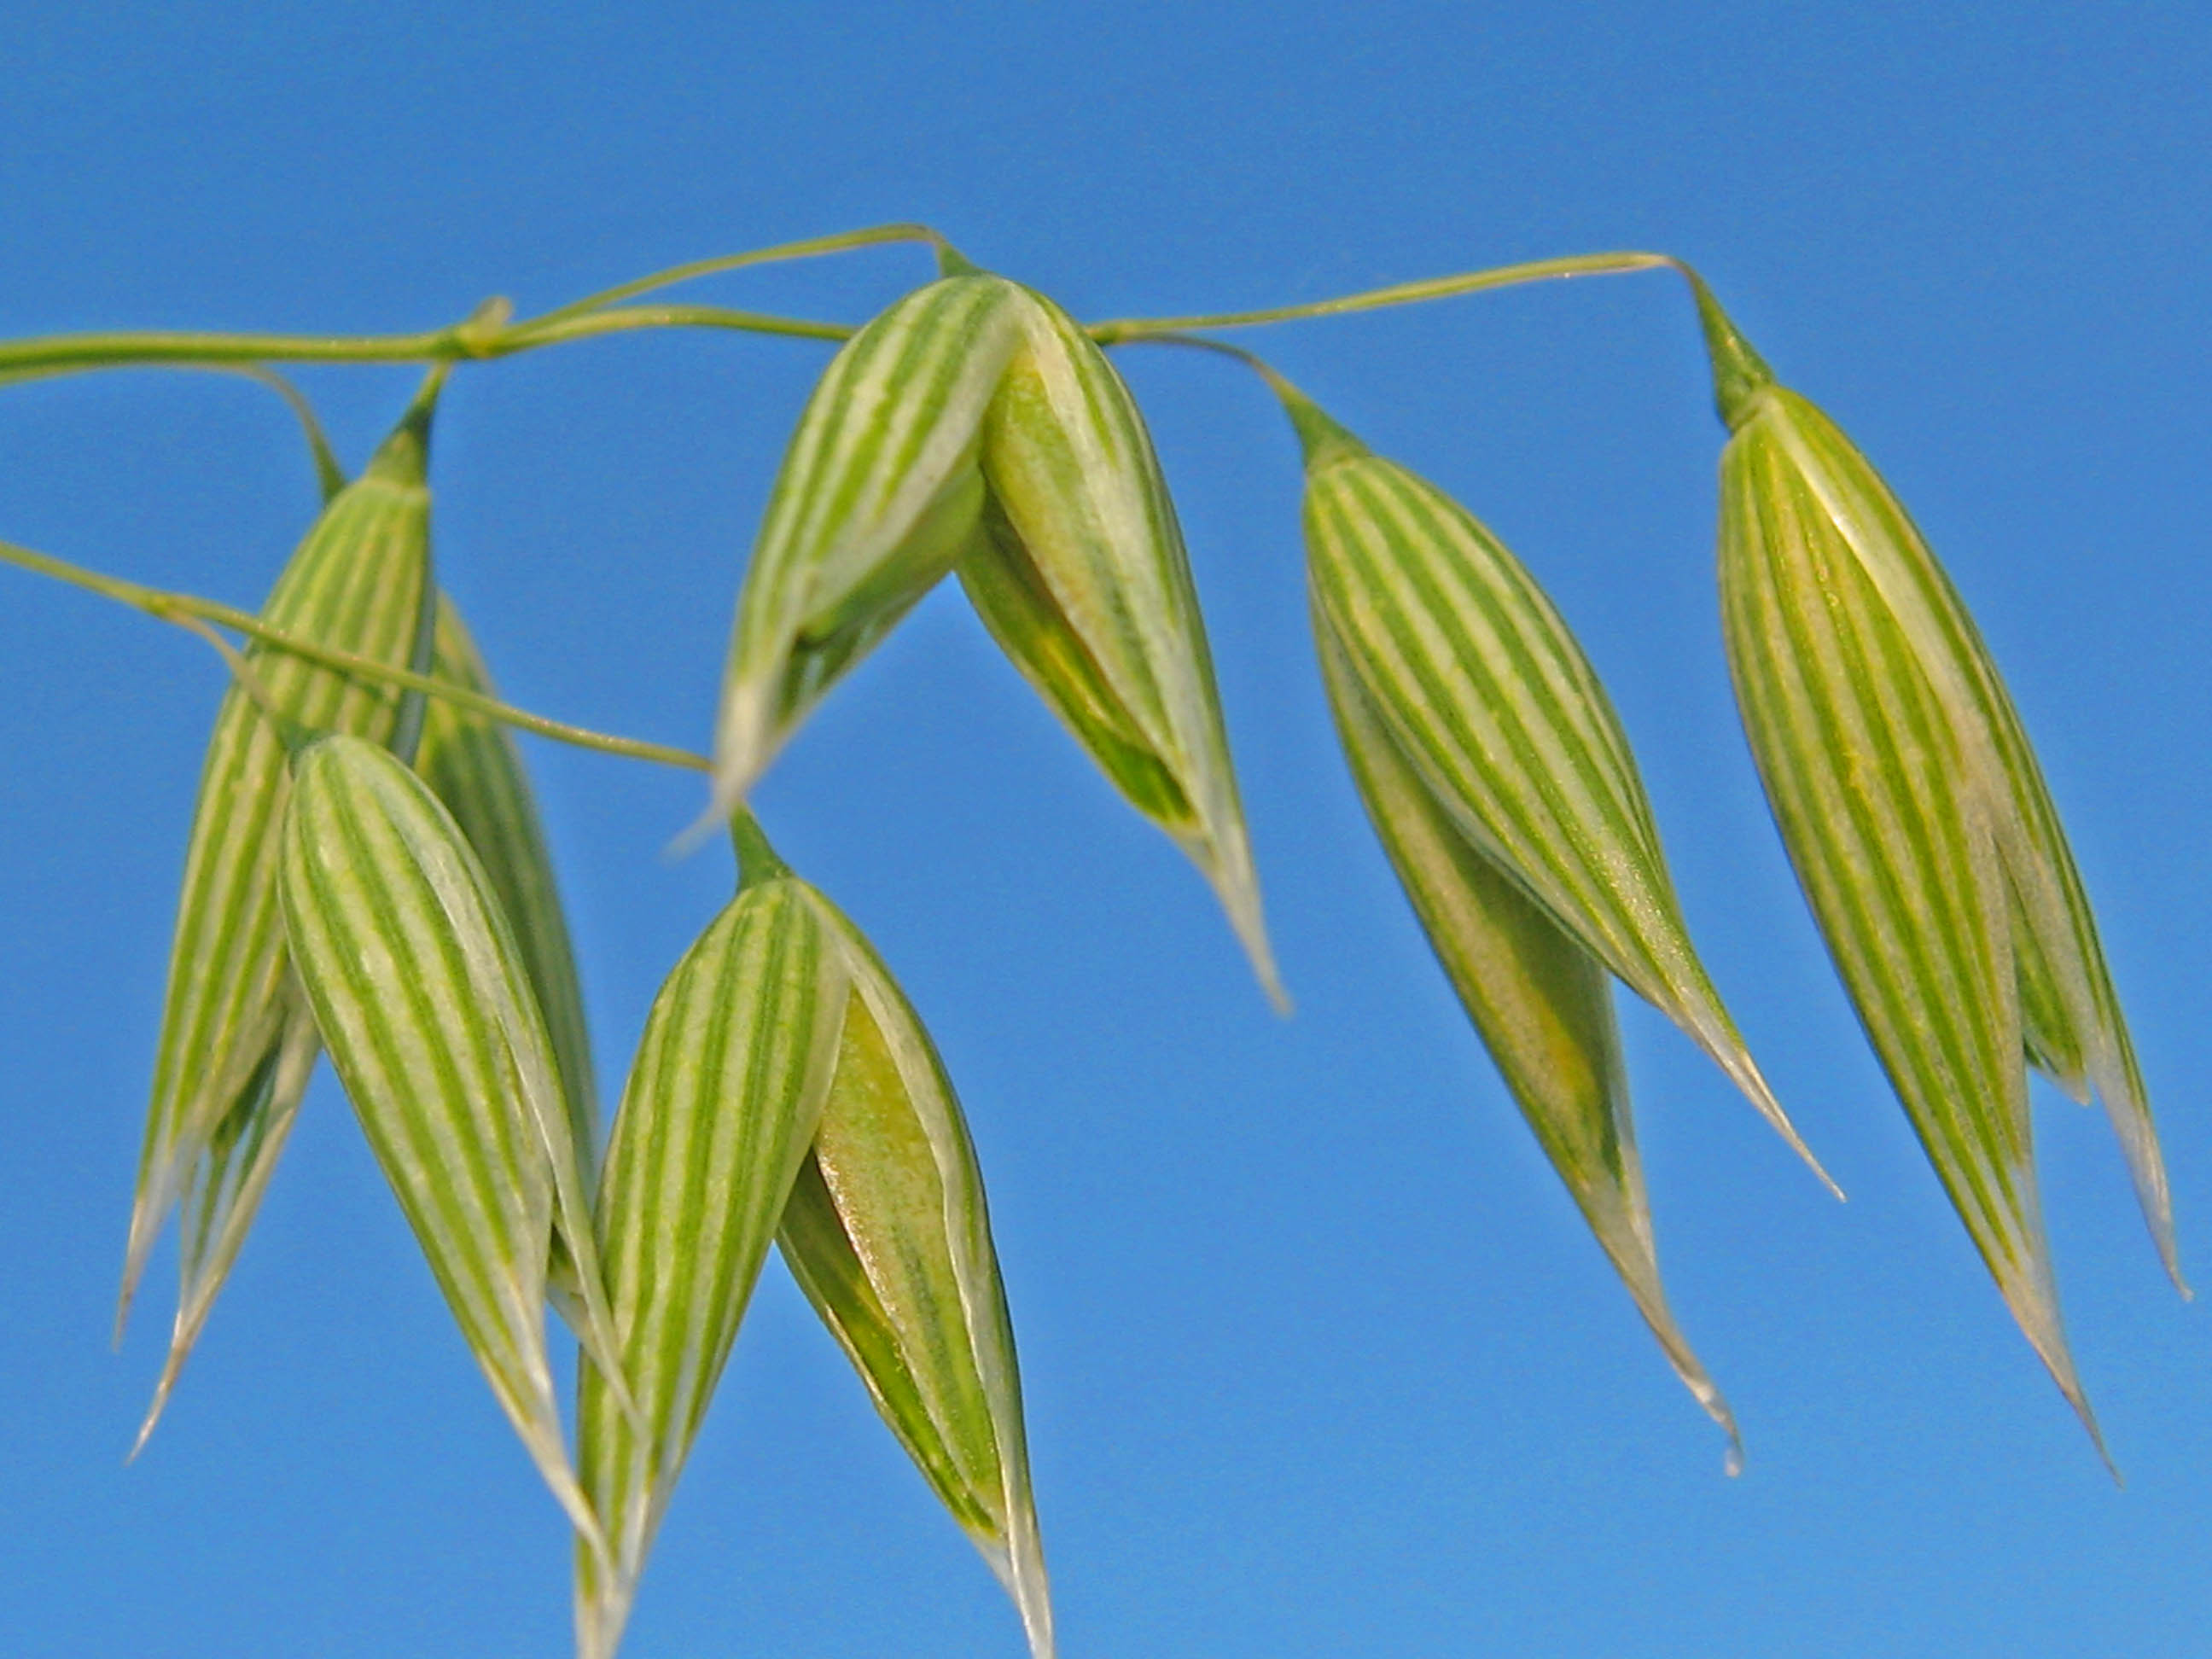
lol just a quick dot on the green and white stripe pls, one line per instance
(722, 1105)
(975, 421)
(223, 1189)
(1923, 832)
(235, 1051)
(1480, 684)
(1541, 1003)
(472, 765)
(878, 494)
(2073, 1026)
(887, 1232)
(419, 991)
(1084, 581)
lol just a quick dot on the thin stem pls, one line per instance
(487, 332)
(329, 477)
(874, 236)
(526, 337)
(1400, 294)
(477, 337)
(184, 610)
(242, 671)
(1252, 359)
(67, 354)
(1319, 434)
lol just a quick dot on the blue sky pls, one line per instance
(1318, 1357)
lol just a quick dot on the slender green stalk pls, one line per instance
(69, 354)
(487, 334)
(1124, 329)
(1321, 435)
(241, 671)
(329, 477)
(873, 236)
(1277, 382)
(541, 331)
(183, 609)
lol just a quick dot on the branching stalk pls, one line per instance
(188, 611)
(875, 236)
(487, 334)
(1252, 359)
(329, 477)
(543, 331)
(70, 354)
(1124, 329)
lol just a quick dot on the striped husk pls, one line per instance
(1541, 1003)
(1478, 684)
(1083, 579)
(722, 1105)
(236, 1045)
(224, 1187)
(2073, 1027)
(887, 1232)
(877, 493)
(975, 422)
(1922, 833)
(420, 995)
(471, 763)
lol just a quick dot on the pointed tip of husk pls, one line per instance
(1262, 958)
(2112, 1081)
(1037, 1625)
(744, 743)
(1718, 1409)
(1626, 1238)
(180, 1348)
(2111, 1467)
(1237, 889)
(693, 835)
(725, 800)
(2075, 1397)
(1743, 1070)
(1706, 1393)
(2169, 1255)
(1020, 1572)
(192, 1310)
(146, 1217)
(1702, 1389)
(2033, 1300)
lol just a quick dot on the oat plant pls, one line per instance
(365, 876)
